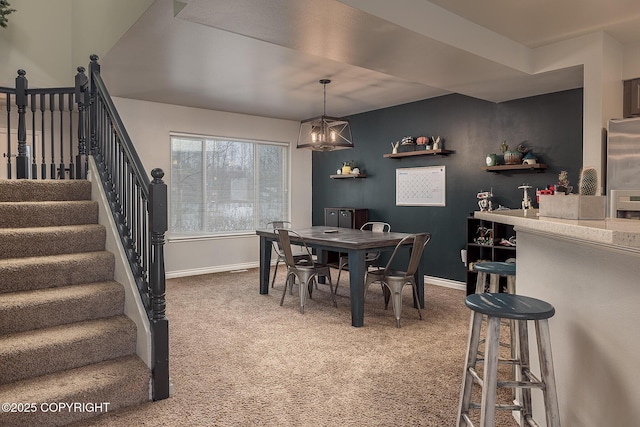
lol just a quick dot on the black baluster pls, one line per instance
(34, 146)
(43, 165)
(61, 173)
(9, 136)
(53, 147)
(71, 166)
(22, 161)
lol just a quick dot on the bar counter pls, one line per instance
(589, 271)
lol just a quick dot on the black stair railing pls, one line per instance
(138, 204)
(139, 208)
(38, 140)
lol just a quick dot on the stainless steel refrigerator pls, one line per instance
(623, 161)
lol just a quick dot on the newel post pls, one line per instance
(82, 99)
(22, 160)
(94, 67)
(159, 322)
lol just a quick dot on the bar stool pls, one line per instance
(495, 269)
(497, 306)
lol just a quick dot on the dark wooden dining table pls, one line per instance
(356, 243)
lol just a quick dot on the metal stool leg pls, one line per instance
(523, 356)
(480, 282)
(467, 378)
(547, 374)
(490, 381)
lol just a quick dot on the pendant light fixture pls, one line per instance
(325, 133)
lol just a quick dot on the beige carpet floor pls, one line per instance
(237, 358)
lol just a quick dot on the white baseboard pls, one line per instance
(447, 283)
(208, 270)
(438, 281)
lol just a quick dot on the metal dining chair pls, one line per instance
(395, 280)
(306, 271)
(370, 257)
(297, 253)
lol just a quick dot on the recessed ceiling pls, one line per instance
(265, 58)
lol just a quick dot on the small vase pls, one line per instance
(346, 170)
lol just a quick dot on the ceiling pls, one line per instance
(265, 58)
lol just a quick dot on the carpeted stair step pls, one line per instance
(29, 190)
(45, 351)
(45, 241)
(24, 274)
(120, 382)
(42, 308)
(47, 214)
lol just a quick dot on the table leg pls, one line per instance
(265, 264)
(357, 270)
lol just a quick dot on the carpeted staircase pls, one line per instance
(63, 333)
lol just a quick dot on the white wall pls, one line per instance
(50, 39)
(149, 125)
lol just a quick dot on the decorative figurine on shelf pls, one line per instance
(529, 159)
(484, 236)
(407, 140)
(588, 181)
(422, 140)
(484, 201)
(563, 186)
(437, 143)
(394, 147)
(526, 200)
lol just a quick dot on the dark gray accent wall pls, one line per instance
(550, 124)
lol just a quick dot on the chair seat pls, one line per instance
(508, 306)
(394, 274)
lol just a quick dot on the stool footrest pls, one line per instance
(501, 360)
(520, 384)
(501, 407)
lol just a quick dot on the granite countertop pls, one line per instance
(623, 233)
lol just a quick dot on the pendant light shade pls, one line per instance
(325, 133)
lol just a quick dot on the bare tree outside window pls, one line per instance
(223, 186)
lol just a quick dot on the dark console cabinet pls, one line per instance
(345, 217)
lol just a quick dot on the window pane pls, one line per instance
(187, 203)
(222, 186)
(271, 183)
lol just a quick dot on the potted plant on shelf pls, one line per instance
(346, 167)
(513, 157)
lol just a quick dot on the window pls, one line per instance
(226, 186)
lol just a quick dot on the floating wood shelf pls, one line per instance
(500, 168)
(418, 153)
(348, 175)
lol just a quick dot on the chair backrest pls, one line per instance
(279, 224)
(419, 242)
(284, 239)
(275, 225)
(377, 226)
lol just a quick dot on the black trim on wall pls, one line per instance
(550, 124)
